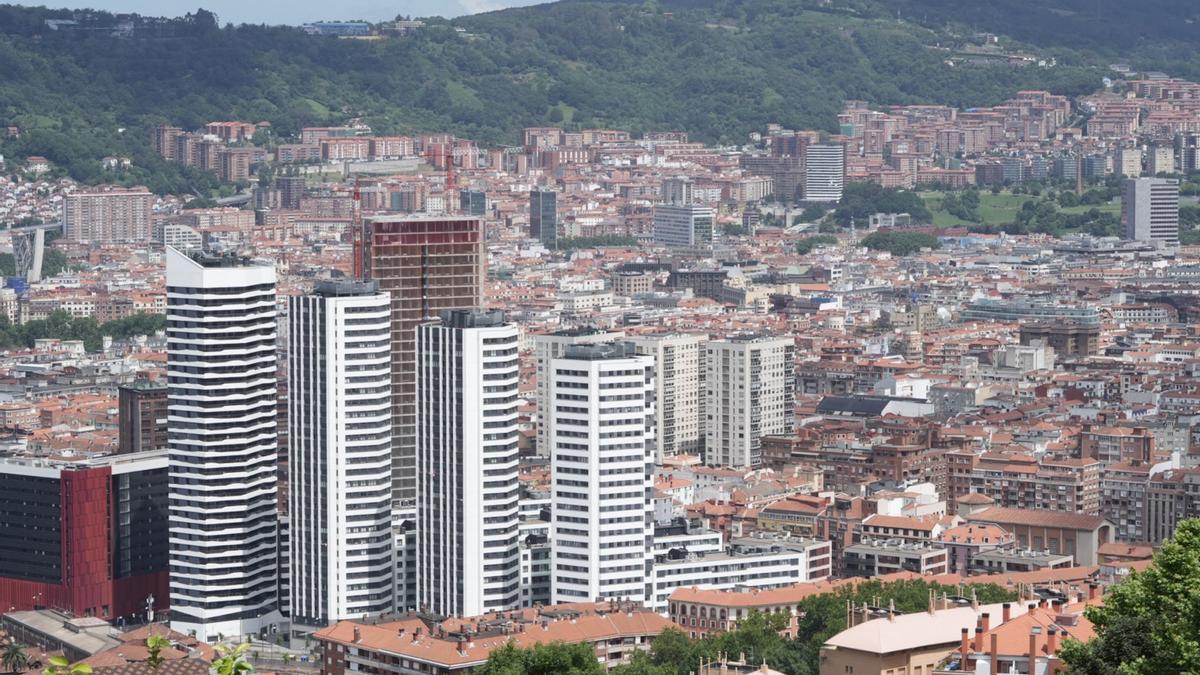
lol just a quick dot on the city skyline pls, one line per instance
(554, 343)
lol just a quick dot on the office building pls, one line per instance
(142, 417)
(339, 454)
(427, 265)
(679, 399)
(222, 407)
(543, 217)
(602, 430)
(468, 553)
(825, 172)
(1187, 152)
(683, 226)
(1160, 160)
(108, 216)
(1150, 211)
(1129, 162)
(291, 191)
(677, 191)
(552, 346)
(472, 203)
(749, 384)
(87, 535)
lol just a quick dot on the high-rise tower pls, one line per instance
(221, 421)
(339, 454)
(468, 553)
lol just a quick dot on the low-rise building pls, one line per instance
(417, 645)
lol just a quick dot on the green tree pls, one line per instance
(807, 244)
(813, 213)
(551, 659)
(900, 243)
(15, 657)
(1150, 622)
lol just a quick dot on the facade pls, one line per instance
(291, 191)
(427, 265)
(1065, 338)
(683, 226)
(468, 553)
(677, 191)
(749, 385)
(221, 364)
(1150, 210)
(109, 216)
(875, 557)
(601, 428)
(678, 392)
(1071, 534)
(472, 202)
(87, 536)
(339, 454)
(551, 346)
(721, 570)
(142, 417)
(825, 172)
(543, 217)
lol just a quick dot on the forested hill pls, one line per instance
(716, 68)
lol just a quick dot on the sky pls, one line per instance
(295, 11)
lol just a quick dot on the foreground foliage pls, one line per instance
(1150, 622)
(757, 636)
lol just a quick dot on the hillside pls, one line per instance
(716, 68)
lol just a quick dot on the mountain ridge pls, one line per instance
(717, 69)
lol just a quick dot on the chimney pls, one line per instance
(1051, 642)
(977, 645)
(964, 648)
(416, 634)
(1042, 603)
(1007, 613)
(401, 631)
(1093, 592)
(1033, 648)
(987, 622)
(462, 646)
(357, 635)
(994, 651)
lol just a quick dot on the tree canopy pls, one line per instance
(900, 243)
(1149, 622)
(862, 200)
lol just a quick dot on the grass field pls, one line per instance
(998, 209)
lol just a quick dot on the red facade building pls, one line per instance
(87, 537)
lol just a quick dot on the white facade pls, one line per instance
(683, 226)
(721, 570)
(679, 401)
(552, 346)
(749, 393)
(468, 557)
(1150, 210)
(825, 172)
(339, 454)
(222, 408)
(602, 431)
